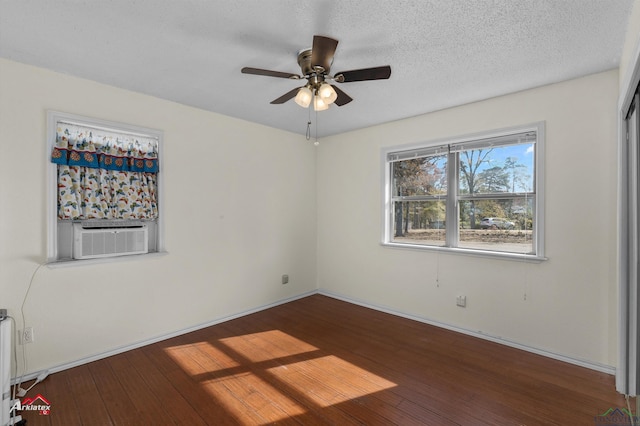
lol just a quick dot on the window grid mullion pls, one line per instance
(452, 233)
(496, 196)
(441, 197)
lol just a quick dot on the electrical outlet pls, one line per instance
(27, 335)
(461, 301)
(285, 279)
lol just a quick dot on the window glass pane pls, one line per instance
(420, 176)
(497, 169)
(497, 225)
(419, 222)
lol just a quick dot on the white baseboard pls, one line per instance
(568, 359)
(571, 360)
(136, 345)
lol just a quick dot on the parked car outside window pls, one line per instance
(496, 223)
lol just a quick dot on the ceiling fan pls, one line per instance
(315, 64)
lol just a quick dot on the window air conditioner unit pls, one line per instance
(91, 242)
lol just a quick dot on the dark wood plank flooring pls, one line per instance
(319, 361)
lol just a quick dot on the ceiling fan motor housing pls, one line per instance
(315, 75)
(304, 60)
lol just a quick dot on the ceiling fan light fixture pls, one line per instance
(303, 97)
(327, 93)
(319, 104)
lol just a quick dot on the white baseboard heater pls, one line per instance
(5, 369)
(93, 241)
(6, 334)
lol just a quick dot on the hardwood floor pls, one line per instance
(318, 361)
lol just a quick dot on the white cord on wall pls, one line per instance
(18, 385)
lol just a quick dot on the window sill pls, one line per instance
(72, 263)
(471, 252)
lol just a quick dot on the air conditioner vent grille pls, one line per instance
(95, 242)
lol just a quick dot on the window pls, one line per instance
(104, 193)
(479, 194)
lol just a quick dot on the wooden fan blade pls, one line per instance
(375, 73)
(284, 98)
(342, 98)
(322, 52)
(268, 73)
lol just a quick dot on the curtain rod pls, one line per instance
(108, 129)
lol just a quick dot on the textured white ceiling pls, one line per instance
(442, 53)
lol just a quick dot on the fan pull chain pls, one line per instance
(316, 143)
(308, 135)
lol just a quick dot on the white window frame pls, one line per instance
(53, 117)
(452, 197)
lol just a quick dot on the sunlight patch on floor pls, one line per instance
(244, 391)
(271, 344)
(319, 378)
(199, 358)
(246, 374)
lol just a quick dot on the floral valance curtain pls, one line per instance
(105, 175)
(86, 147)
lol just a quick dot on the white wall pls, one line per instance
(239, 207)
(570, 302)
(227, 253)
